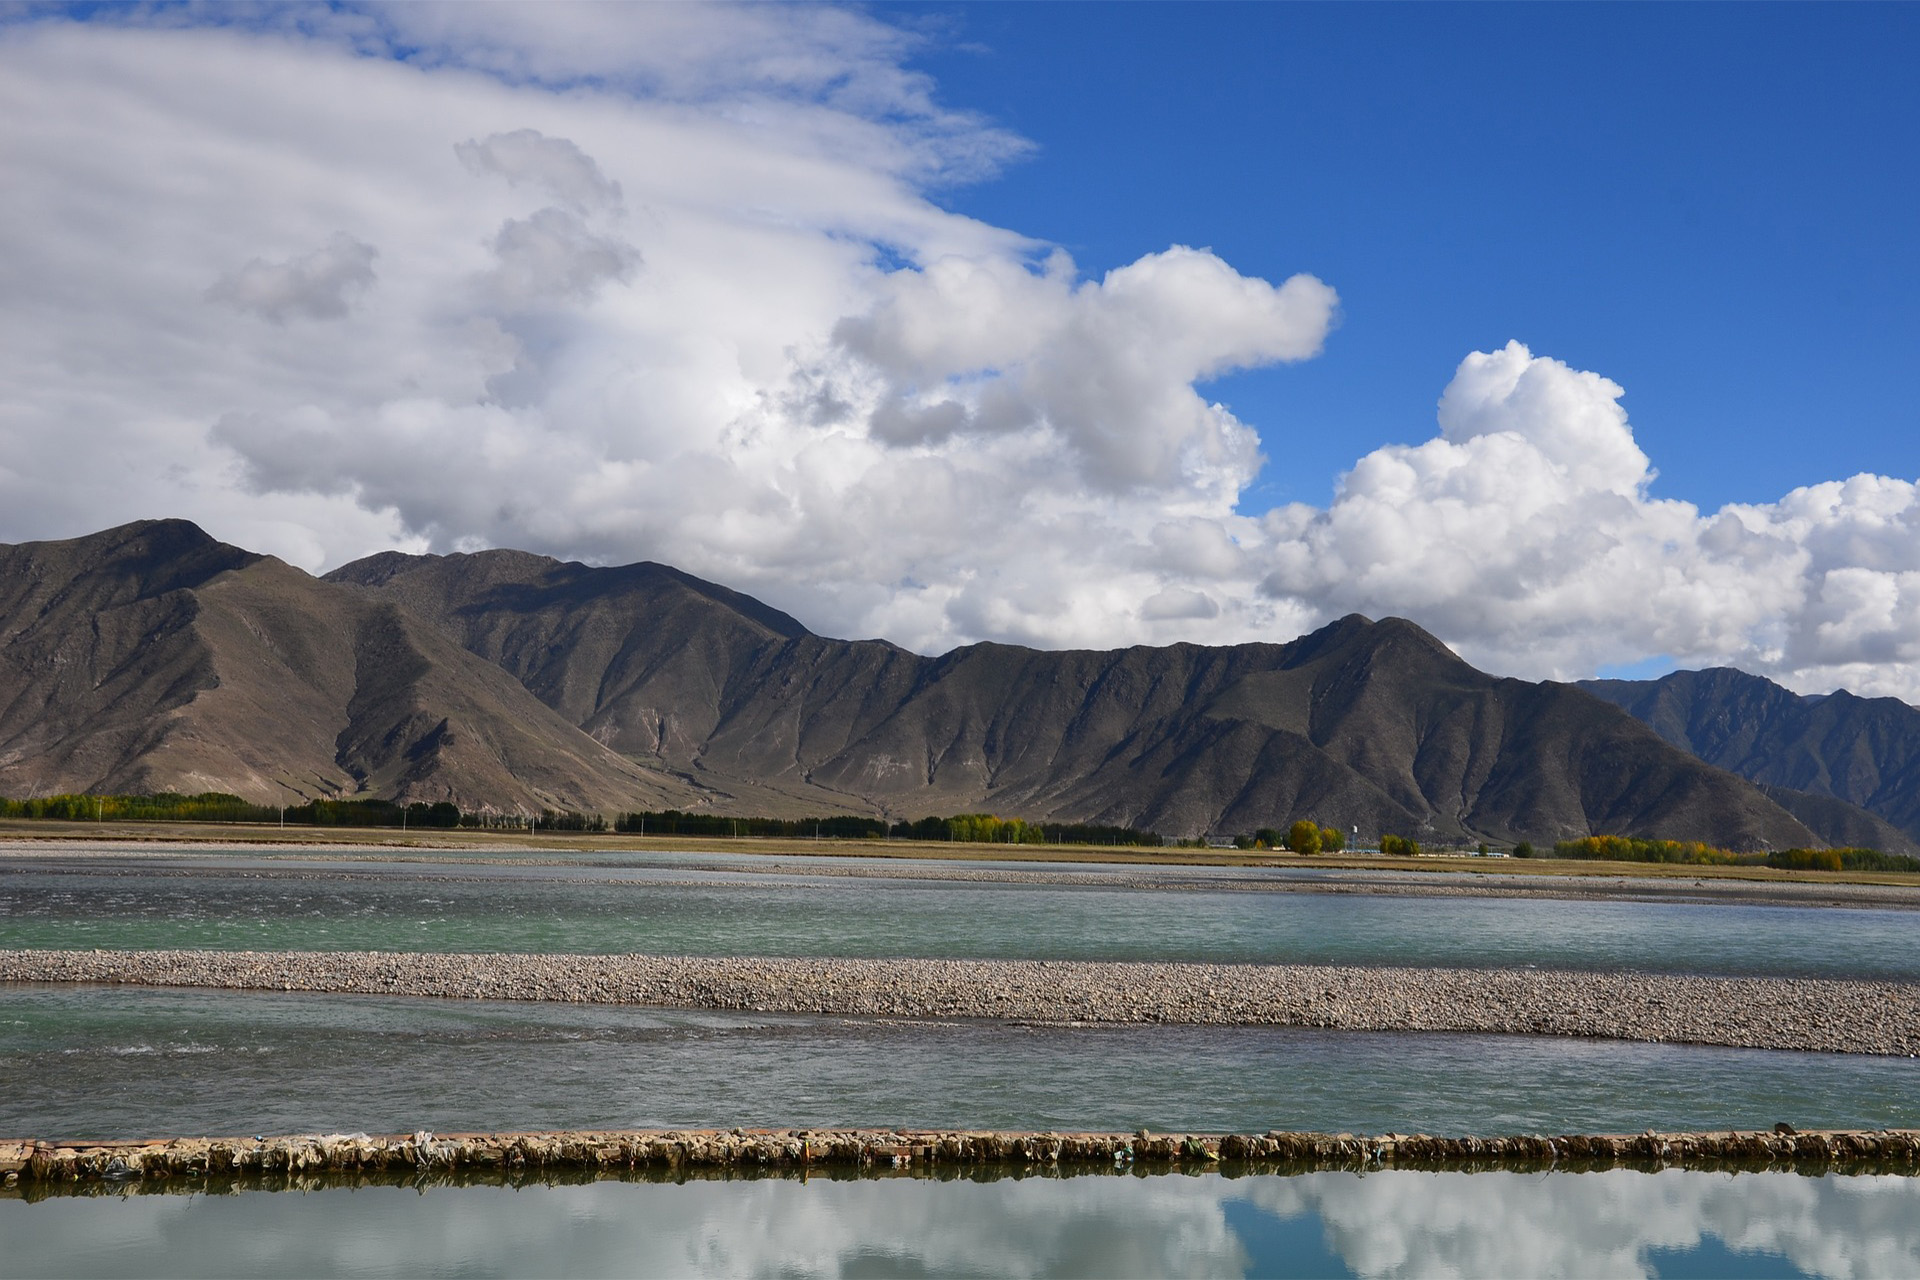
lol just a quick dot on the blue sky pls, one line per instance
(1714, 205)
(1581, 335)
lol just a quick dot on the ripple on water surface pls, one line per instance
(118, 1062)
(690, 910)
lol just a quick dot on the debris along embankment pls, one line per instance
(26, 1166)
(1825, 1015)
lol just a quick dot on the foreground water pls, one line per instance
(1617, 1223)
(686, 905)
(113, 1062)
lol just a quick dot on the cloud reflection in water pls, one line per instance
(1383, 1224)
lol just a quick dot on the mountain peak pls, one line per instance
(1356, 633)
(133, 561)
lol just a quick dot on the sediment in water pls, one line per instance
(30, 1168)
(1825, 1015)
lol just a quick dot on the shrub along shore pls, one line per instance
(1826, 1015)
(33, 1169)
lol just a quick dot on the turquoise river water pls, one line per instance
(105, 1062)
(687, 905)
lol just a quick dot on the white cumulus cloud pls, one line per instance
(667, 282)
(1526, 534)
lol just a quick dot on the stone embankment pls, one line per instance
(24, 1165)
(1826, 1015)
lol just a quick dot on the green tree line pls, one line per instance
(218, 806)
(1696, 853)
(973, 828)
(1304, 836)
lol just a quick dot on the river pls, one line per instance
(122, 1062)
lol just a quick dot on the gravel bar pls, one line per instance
(1822, 1015)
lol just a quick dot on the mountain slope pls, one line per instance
(152, 657)
(1863, 751)
(1368, 724)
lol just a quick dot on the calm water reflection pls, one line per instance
(1618, 1223)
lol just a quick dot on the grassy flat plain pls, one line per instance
(1572, 874)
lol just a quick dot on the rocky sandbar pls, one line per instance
(1826, 1015)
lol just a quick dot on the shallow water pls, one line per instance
(119, 1062)
(1618, 1223)
(682, 904)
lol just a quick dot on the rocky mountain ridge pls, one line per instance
(1860, 752)
(153, 657)
(1368, 724)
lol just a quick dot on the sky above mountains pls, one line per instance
(1061, 325)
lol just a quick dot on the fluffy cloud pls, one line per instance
(1526, 534)
(666, 282)
(316, 285)
(528, 157)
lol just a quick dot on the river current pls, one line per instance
(683, 904)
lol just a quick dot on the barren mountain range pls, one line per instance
(1808, 752)
(152, 657)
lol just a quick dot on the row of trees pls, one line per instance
(974, 828)
(1303, 836)
(218, 806)
(1306, 836)
(1697, 853)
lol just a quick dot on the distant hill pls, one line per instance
(151, 658)
(1808, 752)
(1369, 724)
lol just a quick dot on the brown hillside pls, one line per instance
(1368, 724)
(153, 658)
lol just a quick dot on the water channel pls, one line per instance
(683, 904)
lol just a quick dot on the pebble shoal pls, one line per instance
(1824, 1015)
(29, 1165)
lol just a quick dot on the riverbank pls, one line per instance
(30, 1167)
(21, 835)
(1822, 1015)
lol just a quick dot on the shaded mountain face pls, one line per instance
(1809, 752)
(153, 658)
(1374, 725)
